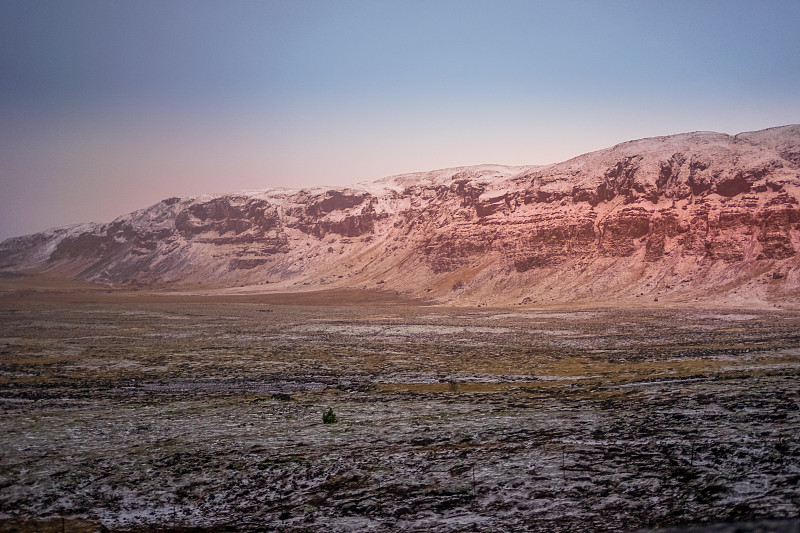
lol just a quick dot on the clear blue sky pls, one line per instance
(108, 106)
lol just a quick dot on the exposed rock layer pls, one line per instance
(692, 215)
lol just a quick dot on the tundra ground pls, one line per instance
(135, 411)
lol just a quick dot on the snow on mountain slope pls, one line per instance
(696, 215)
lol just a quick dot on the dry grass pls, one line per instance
(139, 410)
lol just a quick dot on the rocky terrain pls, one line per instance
(157, 412)
(691, 217)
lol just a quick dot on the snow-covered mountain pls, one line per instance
(696, 215)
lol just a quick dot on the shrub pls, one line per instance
(329, 417)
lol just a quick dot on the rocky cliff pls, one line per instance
(691, 216)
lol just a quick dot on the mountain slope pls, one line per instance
(698, 215)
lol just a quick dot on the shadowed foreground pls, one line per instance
(137, 412)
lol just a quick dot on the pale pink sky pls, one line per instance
(107, 107)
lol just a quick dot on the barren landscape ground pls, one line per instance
(138, 410)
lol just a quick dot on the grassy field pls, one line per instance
(150, 410)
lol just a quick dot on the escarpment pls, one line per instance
(700, 213)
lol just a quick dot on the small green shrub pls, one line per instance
(329, 417)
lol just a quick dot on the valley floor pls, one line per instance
(136, 411)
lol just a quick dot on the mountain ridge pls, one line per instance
(686, 217)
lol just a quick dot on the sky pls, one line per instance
(107, 106)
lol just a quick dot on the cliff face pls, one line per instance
(699, 215)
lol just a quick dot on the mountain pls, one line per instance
(692, 216)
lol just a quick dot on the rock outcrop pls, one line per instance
(699, 215)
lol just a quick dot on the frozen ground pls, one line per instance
(173, 413)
